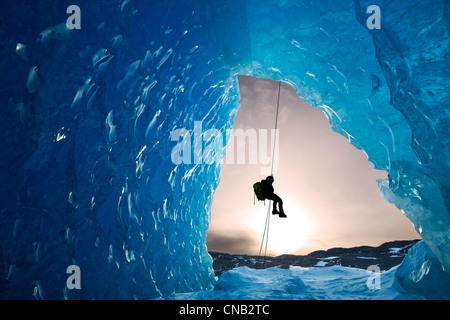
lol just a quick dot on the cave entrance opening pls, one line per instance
(328, 188)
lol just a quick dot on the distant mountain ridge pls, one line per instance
(385, 256)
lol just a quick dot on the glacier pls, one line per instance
(86, 171)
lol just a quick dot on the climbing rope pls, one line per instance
(265, 236)
(276, 127)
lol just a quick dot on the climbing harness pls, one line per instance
(265, 237)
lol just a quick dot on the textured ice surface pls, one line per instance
(86, 170)
(420, 275)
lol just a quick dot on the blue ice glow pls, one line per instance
(87, 176)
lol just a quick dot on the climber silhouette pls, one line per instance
(269, 194)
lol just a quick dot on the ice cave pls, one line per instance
(87, 177)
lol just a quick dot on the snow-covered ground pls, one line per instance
(334, 282)
(419, 276)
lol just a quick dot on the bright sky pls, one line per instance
(329, 190)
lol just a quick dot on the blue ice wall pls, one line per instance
(87, 175)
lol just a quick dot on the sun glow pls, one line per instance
(290, 234)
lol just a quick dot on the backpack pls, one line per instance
(259, 191)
